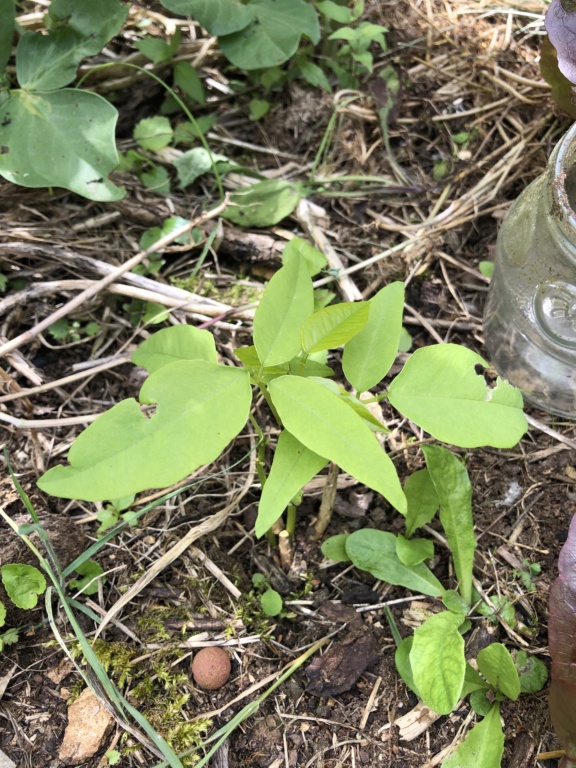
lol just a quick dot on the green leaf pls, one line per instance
(286, 303)
(479, 702)
(23, 584)
(483, 747)
(333, 326)
(194, 163)
(455, 602)
(96, 22)
(292, 467)
(413, 551)
(334, 548)
(7, 14)
(497, 666)
(532, 672)
(438, 662)
(440, 389)
(315, 259)
(201, 407)
(264, 203)
(2, 614)
(405, 343)
(180, 342)
(153, 133)
(156, 180)
(271, 602)
(486, 268)
(187, 79)
(341, 14)
(258, 108)
(402, 661)
(327, 426)
(375, 551)
(10, 637)
(274, 34)
(154, 48)
(369, 356)
(314, 75)
(454, 492)
(219, 17)
(89, 570)
(47, 62)
(187, 132)
(62, 138)
(473, 682)
(422, 500)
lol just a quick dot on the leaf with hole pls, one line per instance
(333, 326)
(23, 584)
(369, 355)
(323, 423)
(441, 389)
(292, 467)
(61, 138)
(375, 551)
(200, 408)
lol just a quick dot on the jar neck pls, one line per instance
(560, 192)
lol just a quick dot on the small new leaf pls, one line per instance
(497, 666)
(23, 584)
(333, 326)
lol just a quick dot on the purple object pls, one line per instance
(562, 643)
(561, 28)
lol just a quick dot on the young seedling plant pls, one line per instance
(192, 406)
(432, 661)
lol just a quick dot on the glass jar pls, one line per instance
(530, 316)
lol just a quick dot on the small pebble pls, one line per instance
(211, 668)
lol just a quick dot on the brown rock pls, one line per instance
(211, 668)
(88, 723)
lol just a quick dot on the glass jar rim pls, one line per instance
(563, 159)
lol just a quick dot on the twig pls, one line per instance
(117, 272)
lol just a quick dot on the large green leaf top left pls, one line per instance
(200, 408)
(60, 138)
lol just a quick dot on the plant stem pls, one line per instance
(291, 517)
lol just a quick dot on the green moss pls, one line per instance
(236, 294)
(158, 687)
